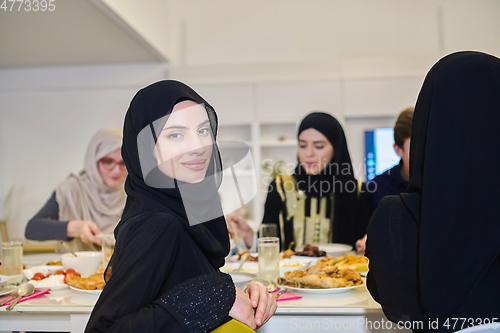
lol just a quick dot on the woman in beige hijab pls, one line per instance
(87, 204)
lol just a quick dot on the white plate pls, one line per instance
(54, 282)
(333, 249)
(312, 260)
(8, 289)
(3, 279)
(50, 269)
(320, 291)
(97, 292)
(55, 287)
(304, 264)
(241, 280)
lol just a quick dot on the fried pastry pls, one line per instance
(93, 282)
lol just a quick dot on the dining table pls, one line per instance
(68, 310)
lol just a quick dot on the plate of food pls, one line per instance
(328, 276)
(43, 277)
(95, 291)
(319, 291)
(310, 253)
(92, 284)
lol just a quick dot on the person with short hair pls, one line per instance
(395, 180)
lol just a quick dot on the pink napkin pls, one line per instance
(286, 296)
(25, 298)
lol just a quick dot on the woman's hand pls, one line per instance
(242, 309)
(262, 301)
(361, 245)
(242, 228)
(86, 230)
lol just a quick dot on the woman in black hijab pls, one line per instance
(434, 252)
(172, 237)
(321, 202)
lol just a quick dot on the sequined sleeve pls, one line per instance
(202, 303)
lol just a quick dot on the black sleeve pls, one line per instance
(371, 284)
(133, 300)
(272, 209)
(364, 211)
(273, 205)
(45, 225)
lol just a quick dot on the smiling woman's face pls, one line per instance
(184, 147)
(314, 151)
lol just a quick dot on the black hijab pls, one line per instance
(454, 158)
(339, 171)
(149, 190)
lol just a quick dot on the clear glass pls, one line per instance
(12, 259)
(269, 258)
(108, 247)
(268, 230)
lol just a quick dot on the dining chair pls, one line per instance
(233, 326)
(481, 328)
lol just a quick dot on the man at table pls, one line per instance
(395, 180)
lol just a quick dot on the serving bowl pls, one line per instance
(86, 262)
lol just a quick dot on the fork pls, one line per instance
(9, 298)
(277, 295)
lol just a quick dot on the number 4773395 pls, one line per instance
(28, 5)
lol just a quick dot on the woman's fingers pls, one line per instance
(272, 305)
(87, 232)
(242, 309)
(262, 301)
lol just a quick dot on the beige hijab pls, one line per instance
(86, 197)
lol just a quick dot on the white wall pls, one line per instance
(47, 118)
(359, 104)
(235, 41)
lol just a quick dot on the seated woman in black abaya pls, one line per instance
(321, 201)
(434, 252)
(172, 237)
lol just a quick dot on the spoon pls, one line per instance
(25, 290)
(243, 258)
(270, 285)
(66, 246)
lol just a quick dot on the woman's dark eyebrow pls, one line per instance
(203, 123)
(184, 127)
(315, 142)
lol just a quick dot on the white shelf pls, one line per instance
(249, 143)
(262, 137)
(286, 143)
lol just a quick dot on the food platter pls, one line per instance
(95, 292)
(320, 291)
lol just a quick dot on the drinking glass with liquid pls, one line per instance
(12, 259)
(269, 258)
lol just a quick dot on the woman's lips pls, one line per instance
(310, 164)
(195, 164)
